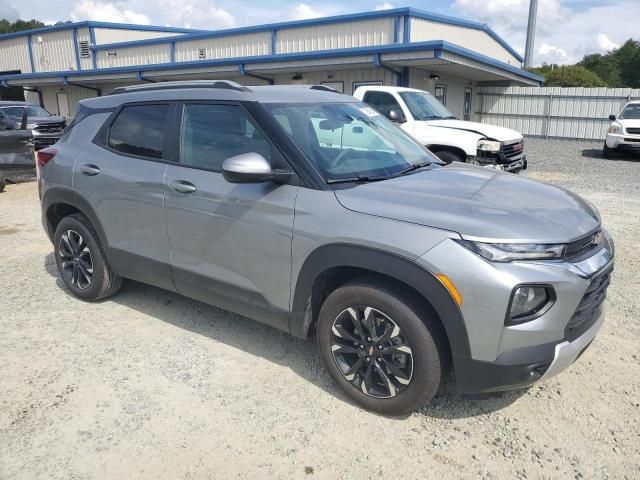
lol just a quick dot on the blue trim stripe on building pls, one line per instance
(30, 47)
(95, 24)
(172, 52)
(274, 42)
(75, 49)
(396, 28)
(92, 42)
(406, 13)
(323, 54)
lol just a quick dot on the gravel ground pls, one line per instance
(152, 385)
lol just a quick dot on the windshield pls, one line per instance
(349, 140)
(424, 106)
(631, 112)
(32, 111)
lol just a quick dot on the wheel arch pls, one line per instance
(59, 202)
(329, 266)
(458, 151)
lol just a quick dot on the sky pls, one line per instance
(566, 29)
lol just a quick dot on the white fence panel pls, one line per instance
(572, 113)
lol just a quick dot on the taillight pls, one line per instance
(44, 155)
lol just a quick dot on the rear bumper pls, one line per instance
(523, 366)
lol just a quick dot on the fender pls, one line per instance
(400, 268)
(61, 194)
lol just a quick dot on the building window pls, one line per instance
(140, 130)
(441, 93)
(364, 84)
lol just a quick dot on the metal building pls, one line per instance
(447, 56)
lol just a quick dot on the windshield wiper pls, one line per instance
(358, 178)
(411, 168)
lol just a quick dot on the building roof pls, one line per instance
(95, 24)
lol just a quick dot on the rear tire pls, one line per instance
(393, 367)
(81, 261)
(447, 157)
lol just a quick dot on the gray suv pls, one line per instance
(311, 212)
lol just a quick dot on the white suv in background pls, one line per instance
(421, 115)
(624, 131)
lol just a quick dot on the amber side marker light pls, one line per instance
(448, 284)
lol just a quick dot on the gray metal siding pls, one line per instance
(476, 40)
(253, 44)
(124, 57)
(113, 35)
(54, 51)
(339, 35)
(14, 55)
(575, 113)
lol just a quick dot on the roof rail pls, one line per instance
(224, 84)
(323, 87)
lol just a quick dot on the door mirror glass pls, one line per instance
(251, 168)
(397, 116)
(612, 117)
(23, 122)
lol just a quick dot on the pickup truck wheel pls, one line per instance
(380, 348)
(3, 184)
(606, 151)
(448, 157)
(81, 261)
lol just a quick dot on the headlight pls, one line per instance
(508, 252)
(615, 128)
(529, 302)
(489, 145)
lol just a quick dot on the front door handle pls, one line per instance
(90, 169)
(182, 186)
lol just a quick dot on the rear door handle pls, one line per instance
(90, 170)
(182, 186)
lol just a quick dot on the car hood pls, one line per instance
(478, 203)
(490, 131)
(46, 120)
(630, 123)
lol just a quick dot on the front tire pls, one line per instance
(81, 261)
(380, 347)
(606, 151)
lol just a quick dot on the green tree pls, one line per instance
(19, 25)
(569, 76)
(605, 66)
(628, 60)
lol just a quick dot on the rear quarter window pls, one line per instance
(140, 130)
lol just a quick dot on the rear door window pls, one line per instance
(383, 102)
(140, 130)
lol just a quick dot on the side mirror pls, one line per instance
(252, 168)
(612, 117)
(397, 116)
(23, 122)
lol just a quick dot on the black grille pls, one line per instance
(585, 247)
(42, 142)
(513, 149)
(50, 127)
(589, 307)
(627, 139)
(633, 131)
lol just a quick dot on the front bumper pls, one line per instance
(500, 162)
(522, 367)
(625, 142)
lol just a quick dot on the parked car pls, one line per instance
(623, 134)
(421, 115)
(43, 129)
(399, 266)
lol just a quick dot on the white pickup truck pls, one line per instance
(421, 115)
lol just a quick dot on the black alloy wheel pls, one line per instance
(371, 351)
(77, 262)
